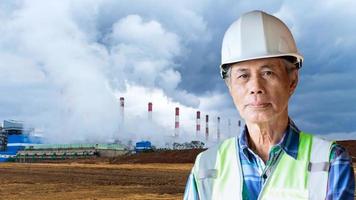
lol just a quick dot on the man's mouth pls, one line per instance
(258, 105)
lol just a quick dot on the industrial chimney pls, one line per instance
(150, 111)
(206, 127)
(198, 125)
(176, 127)
(122, 112)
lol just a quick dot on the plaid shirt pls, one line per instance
(341, 181)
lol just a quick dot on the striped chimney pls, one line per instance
(150, 111)
(206, 127)
(198, 124)
(122, 110)
(176, 126)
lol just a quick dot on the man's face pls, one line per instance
(261, 88)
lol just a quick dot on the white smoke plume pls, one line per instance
(64, 75)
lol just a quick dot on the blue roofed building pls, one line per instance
(13, 138)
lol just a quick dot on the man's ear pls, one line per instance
(294, 77)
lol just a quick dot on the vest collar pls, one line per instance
(289, 142)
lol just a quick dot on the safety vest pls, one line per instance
(218, 175)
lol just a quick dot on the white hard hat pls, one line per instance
(257, 35)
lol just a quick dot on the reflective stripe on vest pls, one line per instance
(218, 173)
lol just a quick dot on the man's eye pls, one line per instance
(242, 76)
(268, 73)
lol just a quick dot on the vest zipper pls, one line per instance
(269, 177)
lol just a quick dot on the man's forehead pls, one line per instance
(257, 64)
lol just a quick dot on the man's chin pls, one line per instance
(259, 118)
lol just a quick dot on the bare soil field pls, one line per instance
(155, 175)
(92, 181)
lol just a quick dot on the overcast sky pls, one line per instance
(64, 64)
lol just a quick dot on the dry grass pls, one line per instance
(92, 181)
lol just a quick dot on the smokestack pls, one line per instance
(150, 111)
(206, 127)
(198, 125)
(176, 127)
(218, 130)
(122, 112)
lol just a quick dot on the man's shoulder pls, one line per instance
(319, 139)
(215, 149)
(337, 151)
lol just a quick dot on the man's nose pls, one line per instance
(256, 86)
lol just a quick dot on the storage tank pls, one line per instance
(143, 146)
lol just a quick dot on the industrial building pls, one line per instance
(41, 152)
(13, 138)
(19, 145)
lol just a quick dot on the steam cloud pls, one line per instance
(65, 76)
(64, 64)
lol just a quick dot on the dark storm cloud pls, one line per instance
(325, 100)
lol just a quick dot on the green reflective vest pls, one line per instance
(218, 173)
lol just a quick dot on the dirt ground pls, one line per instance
(155, 175)
(39, 181)
(171, 156)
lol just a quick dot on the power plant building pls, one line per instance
(13, 138)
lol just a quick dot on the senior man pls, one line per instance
(272, 158)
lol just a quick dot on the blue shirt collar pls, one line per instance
(289, 142)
